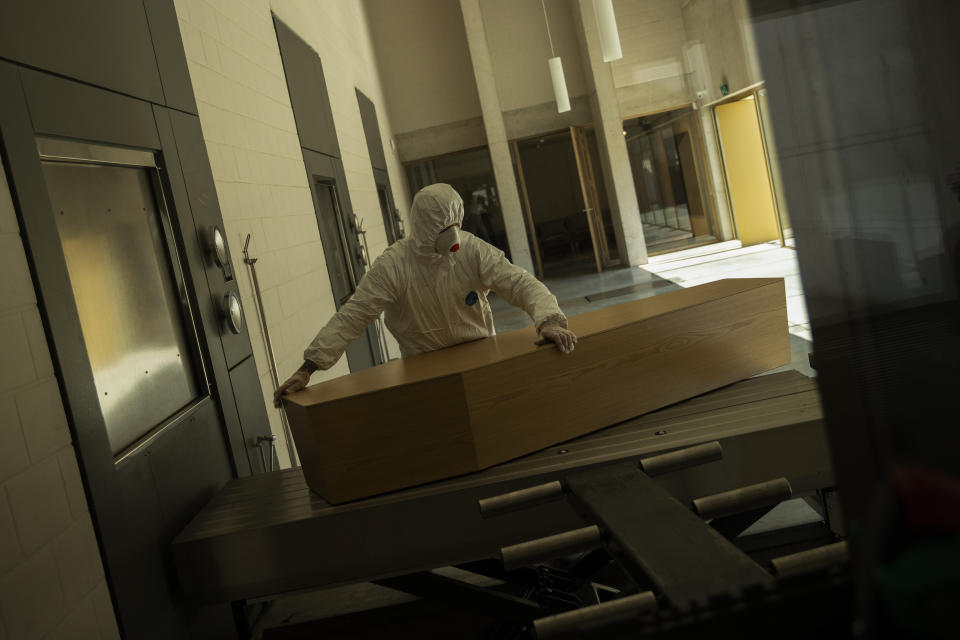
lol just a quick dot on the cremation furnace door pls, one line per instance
(130, 295)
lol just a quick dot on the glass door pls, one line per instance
(666, 159)
(684, 141)
(564, 202)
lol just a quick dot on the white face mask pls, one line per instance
(448, 241)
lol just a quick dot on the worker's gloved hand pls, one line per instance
(296, 382)
(563, 338)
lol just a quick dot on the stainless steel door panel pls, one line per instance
(73, 151)
(343, 270)
(128, 294)
(334, 244)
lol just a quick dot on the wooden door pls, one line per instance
(746, 167)
(591, 199)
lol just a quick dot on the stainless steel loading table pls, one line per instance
(268, 534)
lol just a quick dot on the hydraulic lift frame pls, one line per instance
(268, 535)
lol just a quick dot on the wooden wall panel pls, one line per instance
(482, 403)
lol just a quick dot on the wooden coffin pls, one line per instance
(481, 403)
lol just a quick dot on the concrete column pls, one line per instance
(613, 148)
(718, 183)
(503, 173)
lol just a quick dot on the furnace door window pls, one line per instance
(129, 295)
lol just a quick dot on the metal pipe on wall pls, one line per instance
(274, 376)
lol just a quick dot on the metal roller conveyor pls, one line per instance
(658, 540)
(810, 561)
(755, 496)
(572, 623)
(652, 465)
(550, 547)
(682, 459)
(520, 499)
(269, 534)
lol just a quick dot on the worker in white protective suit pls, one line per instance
(432, 288)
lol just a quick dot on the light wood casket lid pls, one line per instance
(480, 353)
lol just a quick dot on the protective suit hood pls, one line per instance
(434, 208)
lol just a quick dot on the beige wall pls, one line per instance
(52, 583)
(650, 76)
(248, 125)
(421, 49)
(430, 87)
(519, 50)
(723, 32)
(723, 27)
(428, 80)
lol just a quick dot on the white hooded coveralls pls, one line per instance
(432, 301)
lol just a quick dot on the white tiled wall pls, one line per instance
(52, 583)
(248, 124)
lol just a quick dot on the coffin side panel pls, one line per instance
(300, 426)
(629, 370)
(386, 440)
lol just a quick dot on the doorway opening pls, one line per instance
(565, 202)
(665, 158)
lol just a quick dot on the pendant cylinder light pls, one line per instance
(556, 70)
(559, 85)
(607, 23)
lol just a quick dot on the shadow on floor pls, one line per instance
(585, 292)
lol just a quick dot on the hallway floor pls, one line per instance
(585, 292)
